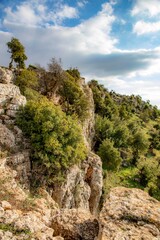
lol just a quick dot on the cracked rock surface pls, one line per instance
(130, 214)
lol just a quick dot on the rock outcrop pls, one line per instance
(89, 122)
(38, 217)
(10, 97)
(83, 186)
(23, 216)
(74, 224)
(69, 211)
(13, 145)
(130, 214)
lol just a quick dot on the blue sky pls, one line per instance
(114, 41)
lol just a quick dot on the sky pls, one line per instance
(116, 42)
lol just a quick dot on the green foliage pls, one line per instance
(149, 175)
(26, 79)
(103, 130)
(56, 139)
(17, 51)
(74, 99)
(139, 144)
(9, 227)
(104, 105)
(121, 135)
(155, 136)
(126, 177)
(74, 72)
(127, 138)
(32, 94)
(109, 155)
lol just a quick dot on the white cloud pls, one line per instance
(23, 15)
(36, 13)
(81, 3)
(107, 8)
(89, 46)
(148, 7)
(142, 27)
(65, 11)
(70, 43)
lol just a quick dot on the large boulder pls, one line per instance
(75, 224)
(130, 214)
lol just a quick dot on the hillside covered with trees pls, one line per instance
(127, 129)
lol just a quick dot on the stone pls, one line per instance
(10, 93)
(7, 138)
(83, 186)
(2, 111)
(1, 212)
(75, 192)
(89, 122)
(75, 224)
(6, 205)
(94, 178)
(6, 76)
(11, 113)
(20, 162)
(57, 238)
(130, 214)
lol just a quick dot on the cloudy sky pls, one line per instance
(116, 42)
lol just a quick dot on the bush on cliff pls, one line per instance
(56, 139)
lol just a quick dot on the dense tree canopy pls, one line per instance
(56, 139)
(17, 51)
(26, 79)
(127, 136)
(109, 155)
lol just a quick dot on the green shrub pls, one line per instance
(74, 72)
(56, 139)
(26, 79)
(109, 155)
(149, 175)
(74, 100)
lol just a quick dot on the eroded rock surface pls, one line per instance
(130, 214)
(13, 145)
(23, 216)
(89, 122)
(83, 186)
(75, 224)
(6, 75)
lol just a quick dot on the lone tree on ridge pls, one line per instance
(17, 51)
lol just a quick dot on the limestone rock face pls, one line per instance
(10, 97)
(83, 186)
(130, 214)
(7, 138)
(10, 101)
(6, 76)
(13, 145)
(88, 124)
(74, 224)
(75, 192)
(16, 154)
(22, 216)
(94, 178)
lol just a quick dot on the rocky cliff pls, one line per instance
(13, 145)
(130, 214)
(70, 211)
